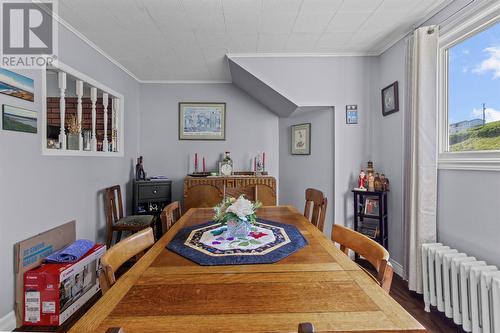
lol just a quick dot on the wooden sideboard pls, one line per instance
(209, 191)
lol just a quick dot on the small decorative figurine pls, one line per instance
(371, 182)
(361, 181)
(139, 170)
(377, 183)
(385, 182)
(369, 168)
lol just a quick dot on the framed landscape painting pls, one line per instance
(301, 139)
(202, 121)
(19, 120)
(16, 85)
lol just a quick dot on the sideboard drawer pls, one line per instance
(154, 192)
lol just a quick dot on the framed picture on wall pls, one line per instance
(351, 114)
(301, 139)
(202, 121)
(16, 85)
(18, 119)
(390, 99)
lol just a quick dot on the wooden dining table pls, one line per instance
(165, 292)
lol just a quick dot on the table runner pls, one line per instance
(207, 244)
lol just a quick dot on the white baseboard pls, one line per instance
(8, 322)
(398, 268)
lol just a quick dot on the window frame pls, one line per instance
(101, 87)
(465, 160)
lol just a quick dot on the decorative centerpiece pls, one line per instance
(73, 133)
(237, 215)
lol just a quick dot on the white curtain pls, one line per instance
(421, 149)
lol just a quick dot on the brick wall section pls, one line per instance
(53, 114)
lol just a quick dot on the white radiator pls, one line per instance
(462, 287)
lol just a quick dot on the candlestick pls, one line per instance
(204, 164)
(255, 164)
(263, 161)
(195, 162)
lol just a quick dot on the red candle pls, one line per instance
(255, 164)
(263, 161)
(195, 162)
(203, 163)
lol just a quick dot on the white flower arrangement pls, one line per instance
(236, 209)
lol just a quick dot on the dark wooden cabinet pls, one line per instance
(150, 196)
(209, 191)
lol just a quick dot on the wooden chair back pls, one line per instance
(121, 252)
(372, 251)
(114, 204)
(315, 208)
(170, 215)
(306, 328)
(115, 330)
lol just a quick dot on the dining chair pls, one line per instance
(372, 251)
(306, 328)
(115, 330)
(169, 215)
(315, 208)
(118, 254)
(115, 220)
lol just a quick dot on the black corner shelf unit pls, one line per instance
(361, 220)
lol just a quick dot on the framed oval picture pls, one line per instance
(390, 99)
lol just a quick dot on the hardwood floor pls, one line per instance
(434, 322)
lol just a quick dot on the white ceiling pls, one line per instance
(188, 39)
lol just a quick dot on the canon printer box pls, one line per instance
(53, 292)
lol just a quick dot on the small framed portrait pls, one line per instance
(372, 206)
(390, 99)
(202, 121)
(301, 139)
(351, 114)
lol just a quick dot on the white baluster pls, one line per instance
(113, 125)
(62, 109)
(105, 143)
(93, 98)
(79, 94)
(116, 108)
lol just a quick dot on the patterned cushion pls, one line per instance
(135, 221)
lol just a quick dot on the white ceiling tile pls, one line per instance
(301, 42)
(241, 5)
(238, 21)
(205, 6)
(312, 21)
(277, 22)
(347, 21)
(359, 5)
(213, 22)
(320, 5)
(384, 19)
(332, 41)
(268, 43)
(281, 5)
(242, 42)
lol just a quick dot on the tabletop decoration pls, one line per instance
(211, 244)
(237, 215)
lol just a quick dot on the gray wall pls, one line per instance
(299, 172)
(387, 142)
(316, 81)
(250, 127)
(40, 192)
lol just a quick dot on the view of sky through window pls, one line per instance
(474, 92)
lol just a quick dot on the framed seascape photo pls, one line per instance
(202, 121)
(372, 207)
(16, 85)
(390, 99)
(351, 114)
(301, 139)
(19, 120)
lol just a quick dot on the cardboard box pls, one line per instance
(29, 254)
(53, 292)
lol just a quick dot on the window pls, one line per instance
(470, 96)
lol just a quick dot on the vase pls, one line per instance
(73, 141)
(238, 229)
